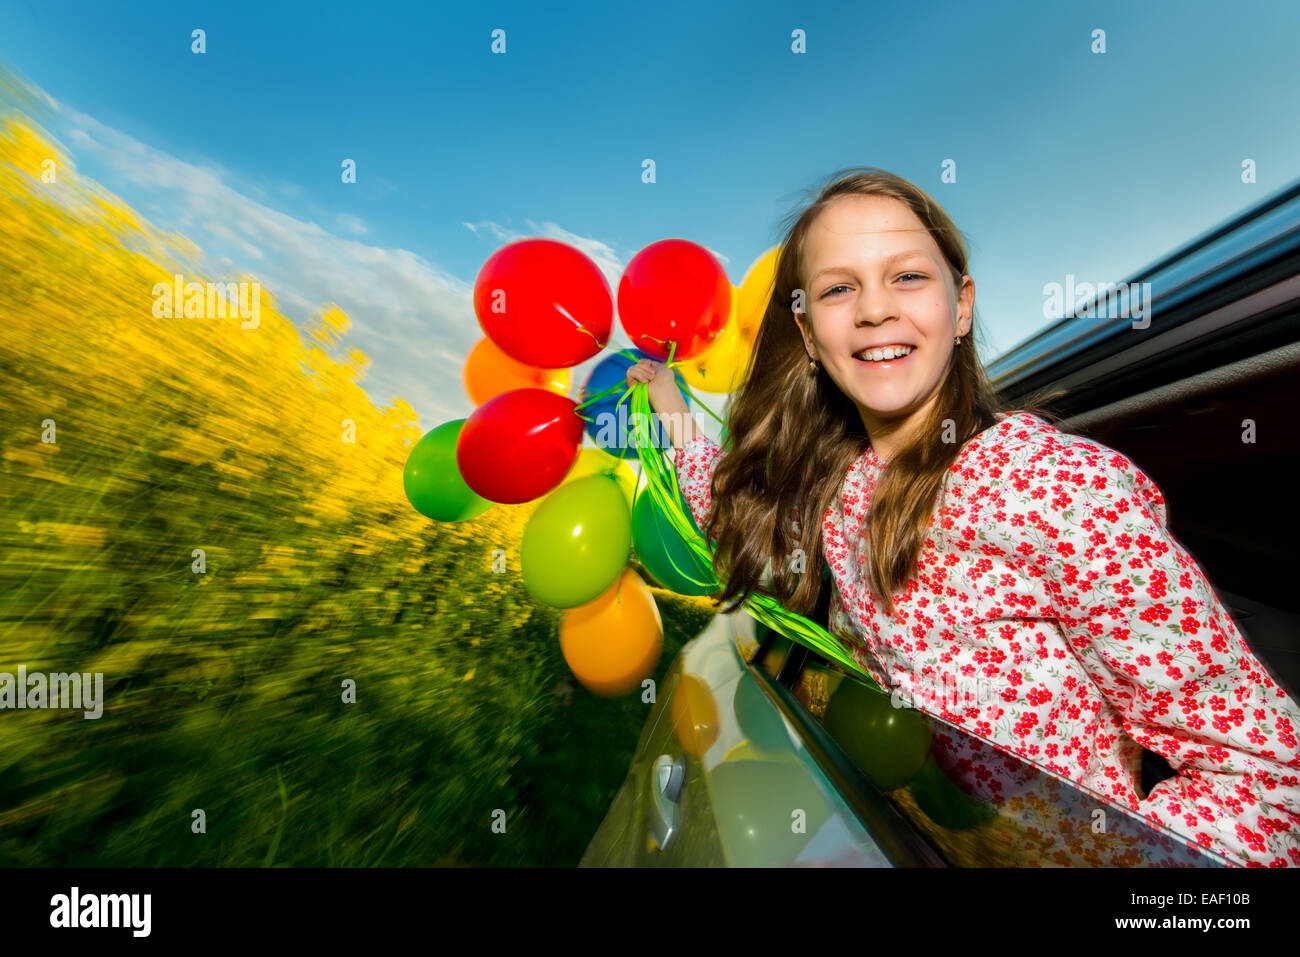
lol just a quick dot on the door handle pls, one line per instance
(667, 777)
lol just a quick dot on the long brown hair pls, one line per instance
(794, 436)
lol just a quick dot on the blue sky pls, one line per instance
(1068, 161)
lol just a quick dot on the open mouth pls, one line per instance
(886, 357)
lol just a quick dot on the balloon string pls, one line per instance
(599, 395)
(673, 363)
(671, 345)
(690, 393)
(627, 354)
(686, 574)
(662, 484)
(583, 328)
(626, 392)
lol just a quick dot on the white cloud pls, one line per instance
(350, 224)
(414, 320)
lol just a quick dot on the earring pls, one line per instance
(812, 366)
(957, 341)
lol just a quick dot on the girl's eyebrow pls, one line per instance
(893, 258)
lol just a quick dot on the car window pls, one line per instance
(977, 805)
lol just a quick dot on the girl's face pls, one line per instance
(877, 278)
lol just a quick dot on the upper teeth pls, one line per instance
(887, 352)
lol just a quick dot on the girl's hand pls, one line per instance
(660, 379)
(666, 399)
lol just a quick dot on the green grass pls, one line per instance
(287, 774)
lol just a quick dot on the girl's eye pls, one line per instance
(906, 275)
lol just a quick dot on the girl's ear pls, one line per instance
(965, 305)
(801, 321)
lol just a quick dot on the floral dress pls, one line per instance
(1053, 614)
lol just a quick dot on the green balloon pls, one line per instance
(754, 804)
(432, 479)
(889, 744)
(945, 803)
(577, 542)
(667, 556)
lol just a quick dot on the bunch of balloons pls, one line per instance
(544, 307)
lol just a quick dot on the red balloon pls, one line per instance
(674, 290)
(519, 446)
(544, 303)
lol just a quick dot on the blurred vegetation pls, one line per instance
(222, 690)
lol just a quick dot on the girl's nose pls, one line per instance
(875, 304)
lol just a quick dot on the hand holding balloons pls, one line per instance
(544, 307)
(660, 385)
(610, 424)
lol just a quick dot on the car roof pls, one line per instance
(1229, 277)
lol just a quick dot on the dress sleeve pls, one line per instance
(695, 462)
(1141, 616)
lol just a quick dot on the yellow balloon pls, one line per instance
(722, 368)
(756, 290)
(695, 715)
(593, 461)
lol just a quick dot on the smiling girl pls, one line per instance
(965, 539)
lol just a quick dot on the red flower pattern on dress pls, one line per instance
(1049, 572)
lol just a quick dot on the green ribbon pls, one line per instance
(661, 482)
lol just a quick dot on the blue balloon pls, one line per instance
(611, 426)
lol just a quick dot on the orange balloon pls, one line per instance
(613, 643)
(695, 715)
(490, 372)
